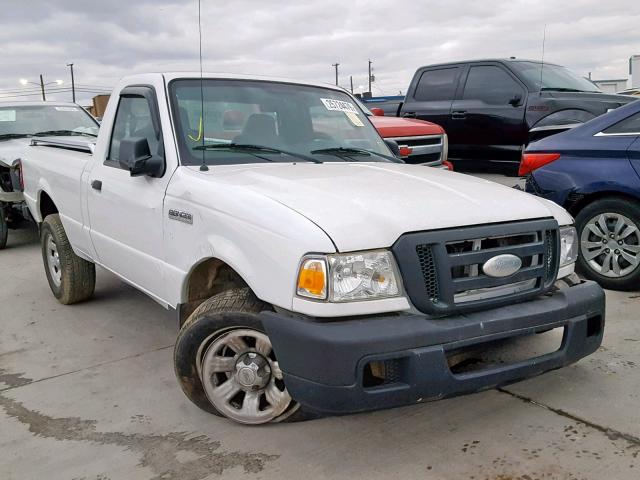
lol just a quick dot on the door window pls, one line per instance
(491, 85)
(437, 85)
(133, 119)
(628, 126)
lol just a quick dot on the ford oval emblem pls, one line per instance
(502, 265)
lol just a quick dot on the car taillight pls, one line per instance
(533, 161)
(17, 176)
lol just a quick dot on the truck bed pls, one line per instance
(55, 166)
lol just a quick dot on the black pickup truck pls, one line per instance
(491, 109)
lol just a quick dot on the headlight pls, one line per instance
(568, 246)
(351, 276)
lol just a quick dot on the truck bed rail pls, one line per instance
(80, 145)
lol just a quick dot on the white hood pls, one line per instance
(369, 205)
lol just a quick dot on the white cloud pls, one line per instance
(107, 40)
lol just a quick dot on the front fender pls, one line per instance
(261, 239)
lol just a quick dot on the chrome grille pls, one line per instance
(442, 270)
(424, 149)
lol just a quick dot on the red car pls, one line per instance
(420, 142)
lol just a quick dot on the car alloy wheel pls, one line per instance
(610, 245)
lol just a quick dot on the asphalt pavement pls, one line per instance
(88, 392)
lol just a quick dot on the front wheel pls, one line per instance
(609, 232)
(226, 365)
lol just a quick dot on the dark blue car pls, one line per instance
(594, 172)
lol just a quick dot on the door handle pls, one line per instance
(409, 115)
(96, 184)
(459, 114)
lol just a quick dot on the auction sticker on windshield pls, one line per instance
(7, 115)
(339, 105)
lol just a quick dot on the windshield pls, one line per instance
(29, 120)
(248, 121)
(554, 77)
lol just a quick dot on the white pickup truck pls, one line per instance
(312, 271)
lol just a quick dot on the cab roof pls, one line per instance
(169, 76)
(488, 60)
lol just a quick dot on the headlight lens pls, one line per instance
(352, 276)
(568, 246)
(362, 276)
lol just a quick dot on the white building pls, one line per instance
(619, 84)
(611, 86)
(634, 67)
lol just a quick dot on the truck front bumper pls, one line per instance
(324, 362)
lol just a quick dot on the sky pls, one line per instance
(109, 39)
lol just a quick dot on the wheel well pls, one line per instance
(47, 207)
(208, 278)
(576, 202)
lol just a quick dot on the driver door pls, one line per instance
(487, 118)
(126, 212)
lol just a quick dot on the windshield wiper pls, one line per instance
(57, 133)
(254, 148)
(9, 136)
(348, 152)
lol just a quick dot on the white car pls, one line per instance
(19, 123)
(311, 271)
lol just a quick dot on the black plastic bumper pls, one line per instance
(324, 362)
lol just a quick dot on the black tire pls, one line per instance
(615, 205)
(77, 277)
(217, 315)
(4, 228)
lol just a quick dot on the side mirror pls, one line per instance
(377, 112)
(515, 100)
(135, 156)
(393, 146)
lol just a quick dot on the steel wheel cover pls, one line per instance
(53, 260)
(610, 245)
(242, 379)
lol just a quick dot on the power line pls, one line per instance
(88, 85)
(33, 89)
(53, 92)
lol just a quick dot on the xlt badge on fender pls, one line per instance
(180, 216)
(502, 265)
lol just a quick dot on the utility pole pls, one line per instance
(370, 62)
(336, 67)
(73, 84)
(351, 82)
(42, 88)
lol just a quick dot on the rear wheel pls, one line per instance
(4, 228)
(71, 278)
(226, 365)
(609, 232)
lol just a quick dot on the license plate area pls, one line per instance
(504, 352)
